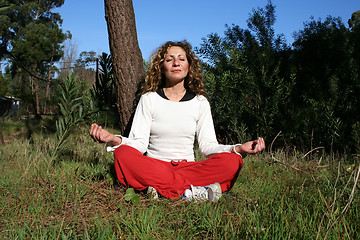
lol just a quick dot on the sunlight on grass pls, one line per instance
(78, 200)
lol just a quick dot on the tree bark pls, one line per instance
(126, 57)
(37, 101)
(47, 93)
(1, 135)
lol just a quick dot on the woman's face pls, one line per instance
(175, 66)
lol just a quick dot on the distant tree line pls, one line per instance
(258, 85)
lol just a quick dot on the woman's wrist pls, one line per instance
(237, 149)
(116, 140)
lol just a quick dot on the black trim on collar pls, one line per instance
(187, 97)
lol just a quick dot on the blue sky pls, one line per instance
(163, 20)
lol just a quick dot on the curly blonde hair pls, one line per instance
(156, 79)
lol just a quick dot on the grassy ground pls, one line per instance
(277, 196)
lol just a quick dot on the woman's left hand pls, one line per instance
(251, 147)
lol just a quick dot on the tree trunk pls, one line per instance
(47, 94)
(37, 101)
(35, 92)
(126, 57)
(1, 135)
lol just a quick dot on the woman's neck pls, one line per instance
(175, 93)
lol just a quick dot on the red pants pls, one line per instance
(171, 179)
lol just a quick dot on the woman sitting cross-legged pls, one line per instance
(171, 113)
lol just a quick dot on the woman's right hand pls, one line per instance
(102, 136)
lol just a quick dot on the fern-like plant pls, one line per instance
(74, 108)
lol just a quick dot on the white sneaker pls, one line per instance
(214, 192)
(210, 192)
(152, 193)
(187, 195)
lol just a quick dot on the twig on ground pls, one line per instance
(272, 143)
(347, 232)
(61, 226)
(286, 164)
(278, 161)
(332, 206)
(323, 166)
(320, 160)
(348, 182)
(317, 148)
(346, 208)
(83, 222)
(321, 222)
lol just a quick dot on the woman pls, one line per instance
(158, 154)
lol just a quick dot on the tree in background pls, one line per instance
(258, 85)
(327, 87)
(5, 32)
(4, 5)
(68, 59)
(247, 77)
(126, 57)
(4, 85)
(84, 67)
(86, 59)
(354, 21)
(32, 40)
(354, 24)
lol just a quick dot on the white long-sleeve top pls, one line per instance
(166, 130)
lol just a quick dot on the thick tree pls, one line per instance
(126, 57)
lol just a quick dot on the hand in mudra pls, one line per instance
(252, 147)
(100, 135)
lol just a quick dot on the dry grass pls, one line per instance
(300, 195)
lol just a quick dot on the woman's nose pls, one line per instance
(176, 62)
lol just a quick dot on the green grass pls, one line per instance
(76, 199)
